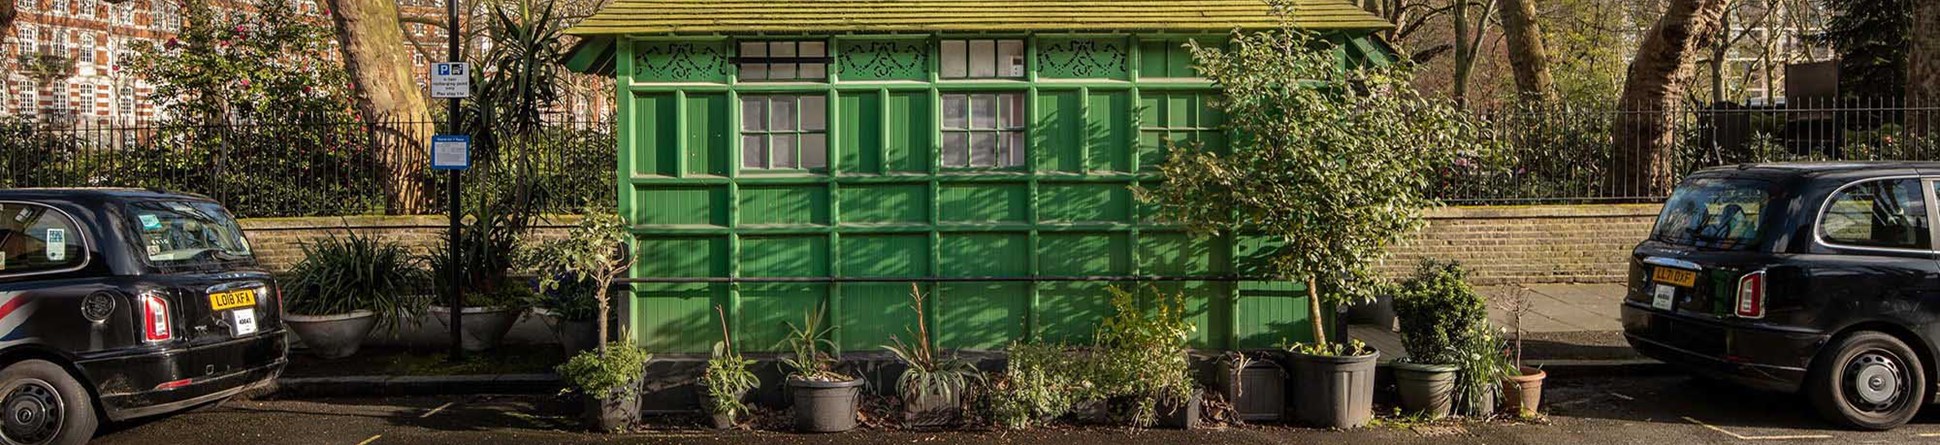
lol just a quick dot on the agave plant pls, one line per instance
(928, 375)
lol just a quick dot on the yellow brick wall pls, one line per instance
(278, 242)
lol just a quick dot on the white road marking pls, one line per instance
(371, 439)
(1624, 397)
(1744, 437)
(436, 410)
(1927, 435)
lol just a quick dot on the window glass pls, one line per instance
(784, 132)
(1713, 213)
(35, 238)
(783, 60)
(188, 233)
(1884, 213)
(982, 59)
(983, 130)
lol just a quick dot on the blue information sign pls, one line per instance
(451, 152)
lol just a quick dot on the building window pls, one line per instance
(983, 130)
(29, 97)
(982, 59)
(60, 96)
(87, 100)
(28, 44)
(784, 132)
(59, 7)
(791, 60)
(127, 101)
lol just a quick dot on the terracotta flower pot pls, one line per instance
(1523, 394)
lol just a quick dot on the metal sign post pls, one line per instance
(452, 80)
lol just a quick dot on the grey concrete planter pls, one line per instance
(1428, 390)
(825, 407)
(332, 336)
(1333, 392)
(575, 336)
(484, 327)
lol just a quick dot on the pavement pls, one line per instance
(1655, 410)
(1576, 325)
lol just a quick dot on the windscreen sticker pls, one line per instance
(154, 250)
(22, 216)
(57, 244)
(149, 222)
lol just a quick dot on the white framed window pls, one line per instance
(784, 132)
(783, 60)
(981, 59)
(60, 96)
(29, 97)
(59, 7)
(983, 130)
(28, 43)
(127, 103)
(87, 100)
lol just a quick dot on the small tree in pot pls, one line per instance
(825, 400)
(932, 387)
(1330, 163)
(595, 250)
(344, 287)
(570, 309)
(1437, 310)
(727, 380)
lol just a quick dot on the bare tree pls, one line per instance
(1657, 77)
(1527, 53)
(1923, 65)
(373, 45)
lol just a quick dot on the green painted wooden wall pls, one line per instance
(1101, 110)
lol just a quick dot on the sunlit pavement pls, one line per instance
(1648, 410)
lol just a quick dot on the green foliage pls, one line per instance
(575, 270)
(1038, 386)
(1871, 38)
(1484, 362)
(343, 274)
(256, 64)
(812, 350)
(728, 377)
(1139, 358)
(928, 375)
(1354, 347)
(614, 371)
(1334, 164)
(1438, 310)
(519, 77)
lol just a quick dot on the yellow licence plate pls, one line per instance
(232, 299)
(1673, 276)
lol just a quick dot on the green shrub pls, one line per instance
(811, 350)
(614, 371)
(343, 274)
(1437, 309)
(1040, 384)
(1139, 357)
(726, 379)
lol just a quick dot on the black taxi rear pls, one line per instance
(1817, 278)
(117, 304)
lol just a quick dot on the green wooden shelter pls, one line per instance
(779, 156)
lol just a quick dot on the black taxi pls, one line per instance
(1818, 278)
(121, 303)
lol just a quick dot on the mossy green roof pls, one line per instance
(871, 16)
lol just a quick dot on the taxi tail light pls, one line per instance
(1751, 295)
(155, 325)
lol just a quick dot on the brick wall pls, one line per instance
(1531, 244)
(1499, 244)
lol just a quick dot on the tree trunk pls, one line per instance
(1526, 51)
(1645, 133)
(386, 95)
(1923, 68)
(1313, 309)
(1463, 58)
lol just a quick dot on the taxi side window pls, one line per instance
(36, 238)
(1885, 213)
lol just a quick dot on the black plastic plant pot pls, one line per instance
(1184, 416)
(825, 407)
(1333, 392)
(716, 419)
(613, 412)
(1258, 393)
(933, 411)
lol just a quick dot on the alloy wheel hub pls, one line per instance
(1875, 379)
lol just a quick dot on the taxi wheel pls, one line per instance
(1868, 381)
(43, 405)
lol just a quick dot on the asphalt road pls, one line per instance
(1641, 410)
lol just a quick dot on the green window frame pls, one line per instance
(784, 132)
(983, 130)
(782, 61)
(981, 59)
(1179, 118)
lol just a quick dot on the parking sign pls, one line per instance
(451, 80)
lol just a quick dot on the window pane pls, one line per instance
(753, 152)
(956, 149)
(815, 150)
(40, 239)
(983, 58)
(983, 111)
(754, 49)
(781, 71)
(1013, 111)
(782, 49)
(752, 116)
(754, 71)
(954, 57)
(814, 113)
(1888, 213)
(983, 149)
(953, 111)
(781, 114)
(1015, 143)
(1010, 58)
(813, 49)
(784, 151)
(815, 71)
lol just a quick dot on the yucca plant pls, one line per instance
(810, 349)
(929, 376)
(340, 275)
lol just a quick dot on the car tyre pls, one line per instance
(41, 404)
(1869, 381)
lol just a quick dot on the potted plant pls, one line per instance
(1523, 392)
(344, 287)
(608, 380)
(575, 274)
(1327, 201)
(1437, 309)
(489, 314)
(1478, 387)
(1256, 389)
(1139, 360)
(824, 400)
(931, 387)
(726, 381)
(595, 250)
(486, 250)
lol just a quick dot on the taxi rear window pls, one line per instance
(1714, 213)
(184, 233)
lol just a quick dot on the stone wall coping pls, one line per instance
(1545, 211)
(378, 222)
